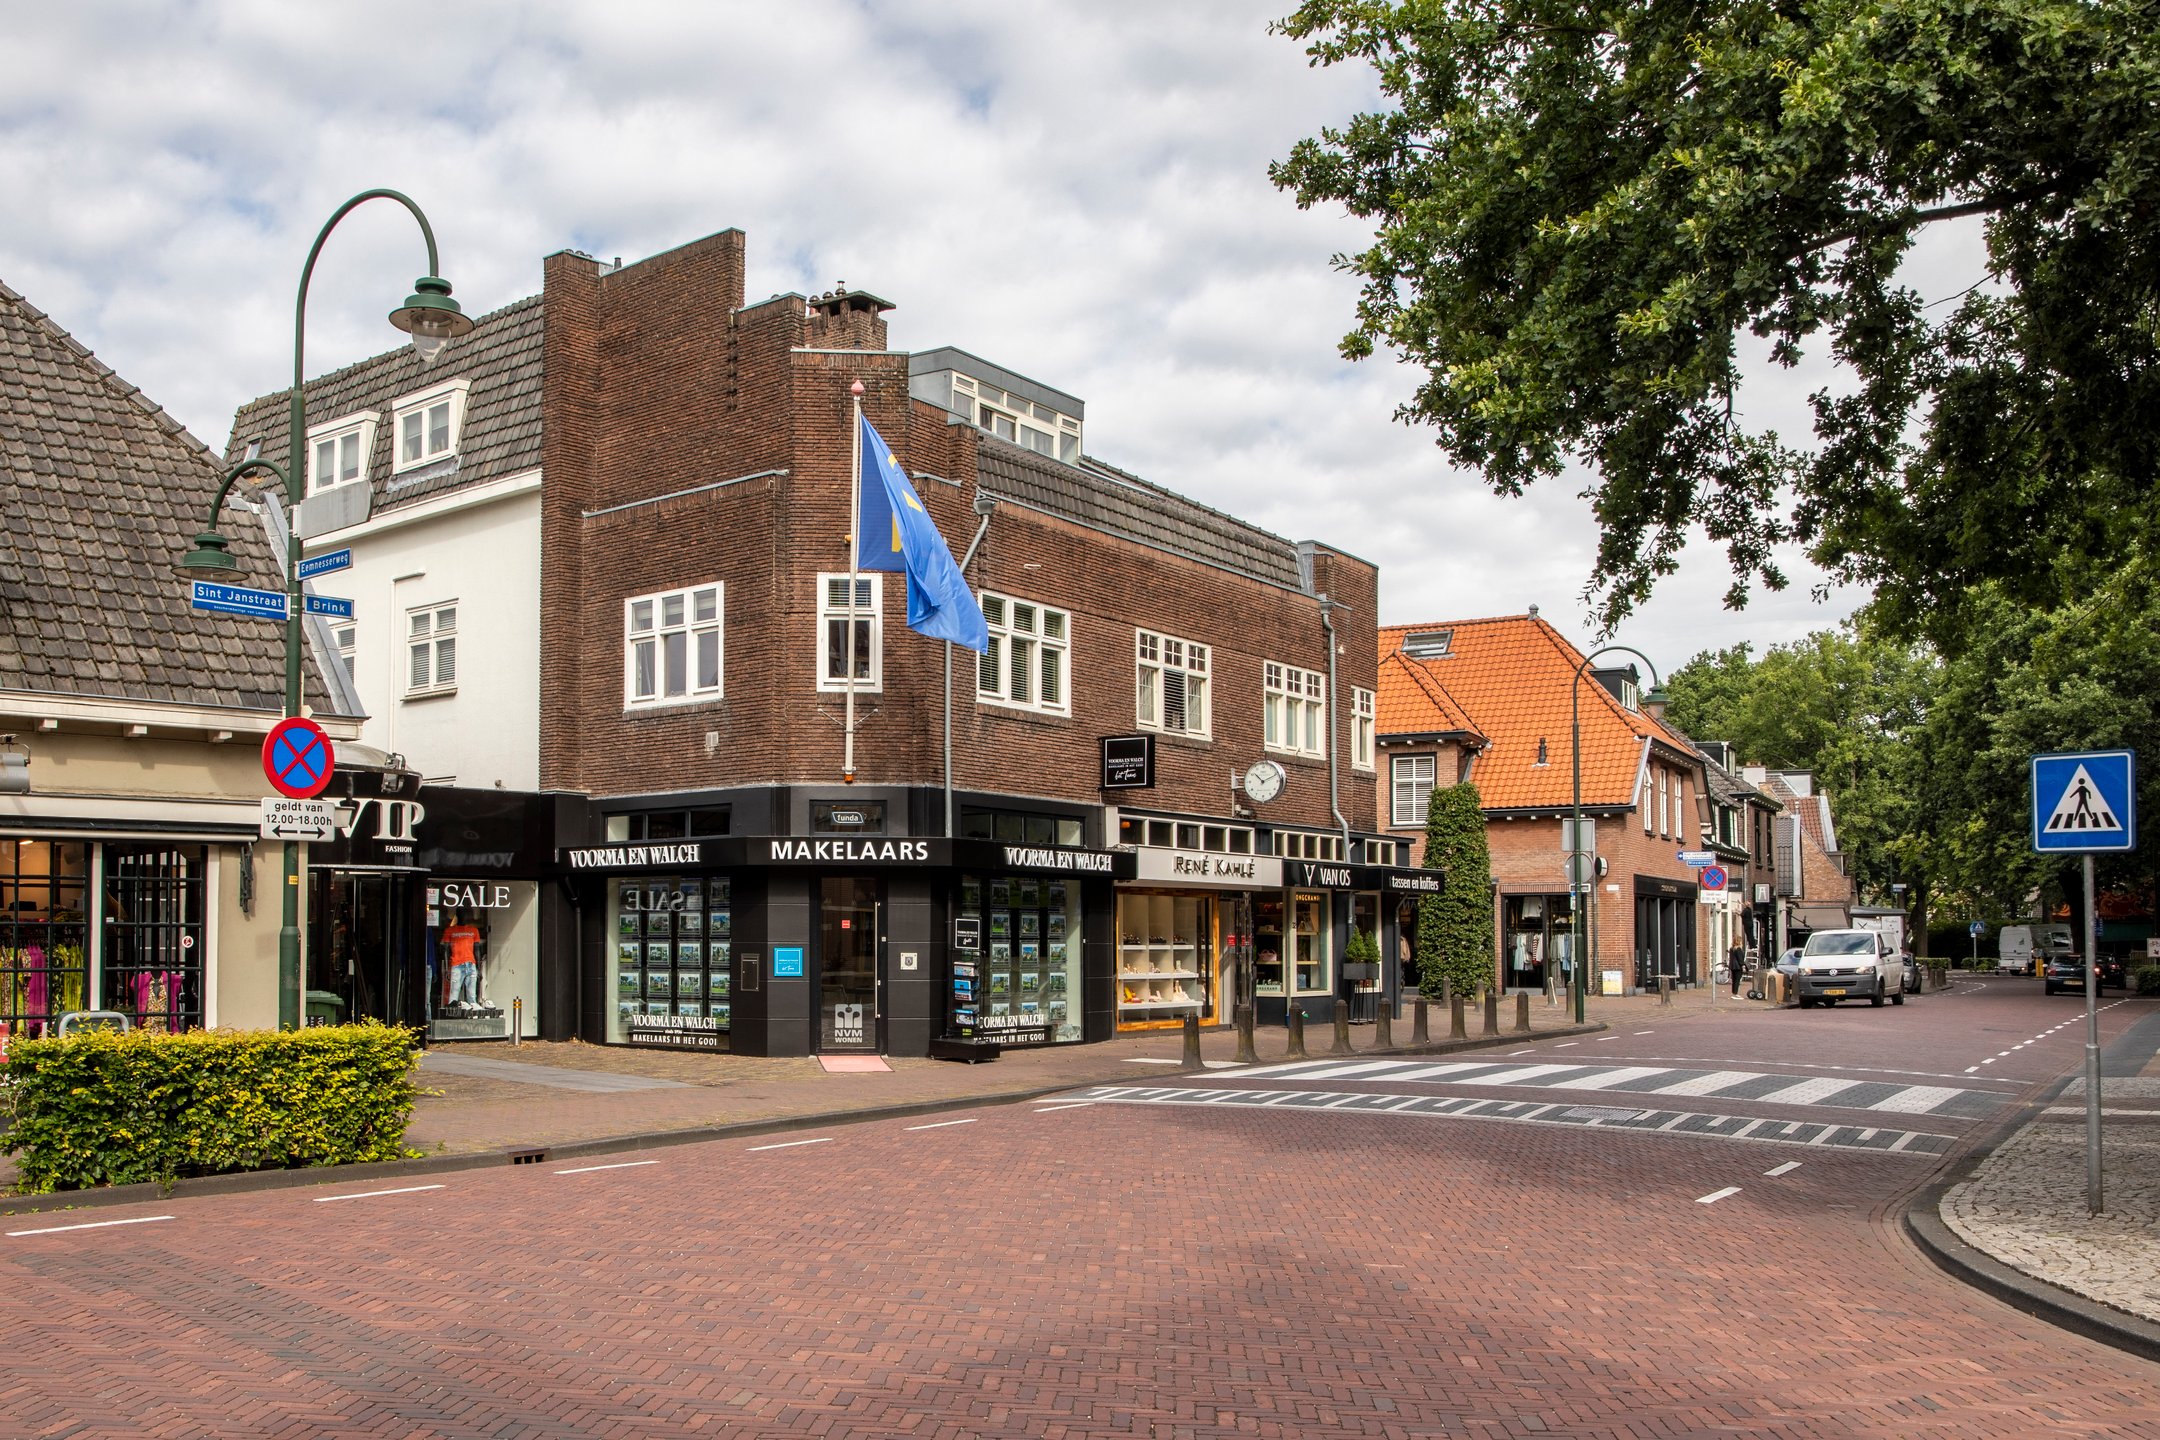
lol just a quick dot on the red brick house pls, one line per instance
(1489, 701)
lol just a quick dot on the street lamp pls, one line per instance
(433, 320)
(1579, 871)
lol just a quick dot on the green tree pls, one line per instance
(1579, 211)
(1455, 927)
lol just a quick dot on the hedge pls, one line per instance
(105, 1108)
(2146, 980)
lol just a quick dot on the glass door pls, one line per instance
(847, 963)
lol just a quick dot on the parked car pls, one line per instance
(1849, 965)
(1912, 973)
(2067, 972)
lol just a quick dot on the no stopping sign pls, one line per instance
(297, 758)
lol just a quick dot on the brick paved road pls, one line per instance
(1102, 1269)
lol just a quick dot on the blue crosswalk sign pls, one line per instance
(2084, 801)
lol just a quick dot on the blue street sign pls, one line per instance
(1976, 929)
(328, 605)
(316, 565)
(237, 600)
(2084, 801)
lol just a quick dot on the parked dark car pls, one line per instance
(2067, 972)
(1912, 973)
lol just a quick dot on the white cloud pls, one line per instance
(1077, 191)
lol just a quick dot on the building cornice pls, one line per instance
(49, 711)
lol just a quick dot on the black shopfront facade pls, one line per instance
(843, 937)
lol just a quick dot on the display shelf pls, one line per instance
(1185, 1004)
(1145, 975)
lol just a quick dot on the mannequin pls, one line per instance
(462, 942)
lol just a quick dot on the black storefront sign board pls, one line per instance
(735, 852)
(1128, 762)
(1659, 885)
(1329, 875)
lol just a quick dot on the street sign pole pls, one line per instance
(2092, 1047)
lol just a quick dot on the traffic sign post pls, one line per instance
(2085, 802)
(297, 758)
(284, 819)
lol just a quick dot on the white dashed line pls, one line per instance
(1785, 1169)
(941, 1124)
(1716, 1195)
(1566, 1043)
(790, 1144)
(91, 1225)
(1646, 1032)
(618, 1165)
(371, 1194)
(1052, 1109)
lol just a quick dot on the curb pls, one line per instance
(1962, 1260)
(255, 1180)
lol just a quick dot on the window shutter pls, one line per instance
(418, 678)
(1173, 683)
(446, 661)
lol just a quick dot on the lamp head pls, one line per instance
(431, 317)
(211, 558)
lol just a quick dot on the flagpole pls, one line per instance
(854, 554)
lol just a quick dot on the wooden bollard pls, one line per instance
(1295, 1024)
(1522, 1013)
(1247, 1053)
(1342, 1028)
(1420, 1025)
(1492, 1012)
(1384, 1027)
(1192, 1043)
(1455, 1028)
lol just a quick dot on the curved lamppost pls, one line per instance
(1581, 874)
(433, 320)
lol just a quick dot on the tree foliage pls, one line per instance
(1455, 927)
(1580, 209)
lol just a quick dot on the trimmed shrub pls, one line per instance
(2146, 981)
(105, 1108)
(1455, 927)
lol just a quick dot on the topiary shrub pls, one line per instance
(106, 1108)
(1455, 927)
(2146, 981)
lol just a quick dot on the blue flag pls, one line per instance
(897, 533)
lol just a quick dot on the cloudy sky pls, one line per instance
(1075, 190)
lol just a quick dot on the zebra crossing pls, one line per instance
(1762, 1086)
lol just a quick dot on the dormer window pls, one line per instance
(1429, 644)
(339, 451)
(425, 425)
(1012, 417)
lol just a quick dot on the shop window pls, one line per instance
(431, 649)
(1412, 777)
(483, 957)
(671, 972)
(1306, 845)
(1020, 827)
(668, 824)
(1365, 920)
(1537, 939)
(1361, 729)
(339, 452)
(44, 934)
(1166, 949)
(867, 647)
(1172, 685)
(151, 962)
(1025, 664)
(1268, 913)
(1022, 983)
(671, 647)
(427, 424)
(1294, 716)
(1222, 839)
(1313, 944)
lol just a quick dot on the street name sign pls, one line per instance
(237, 600)
(288, 819)
(328, 564)
(328, 605)
(1698, 858)
(2084, 801)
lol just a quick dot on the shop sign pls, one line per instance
(787, 962)
(1318, 875)
(634, 857)
(1004, 1026)
(468, 895)
(1085, 862)
(1658, 885)
(967, 933)
(1412, 882)
(1128, 762)
(1206, 867)
(696, 1032)
(784, 852)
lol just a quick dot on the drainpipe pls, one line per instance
(984, 504)
(1334, 794)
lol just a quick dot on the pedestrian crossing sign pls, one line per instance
(2084, 801)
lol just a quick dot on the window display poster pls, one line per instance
(1019, 990)
(671, 960)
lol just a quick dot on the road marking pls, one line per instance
(91, 1225)
(618, 1165)
(791, 1144)
(941, 1124)
(1604, 1039)
(1566, 1043)
(1785, 1169)
(1511, 1076)
(1610, 1078)
(1513, 1053)
(1704, 1084)
(1073, 1105)
(1916, 1099)
(1716, 1195)
(371, 1194)
(1807, 1092)
(1646, 1032)
(1152, 1060)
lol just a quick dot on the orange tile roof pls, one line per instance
(1508, 680)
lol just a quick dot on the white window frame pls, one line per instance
(1047, 432)
(1157, 656)
(1294, 712)
(651, 627)
(1649, 816)
(1011, 634)
(450, 393)
(360, 431)
(347, 635)
(1362, 724)
(426, 636)
(1402, 770)
(870, 612)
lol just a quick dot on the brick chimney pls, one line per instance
(844, 319)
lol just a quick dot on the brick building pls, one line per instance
(668, 469)
(1489, 701)
(1814, 891)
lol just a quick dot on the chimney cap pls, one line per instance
(841, 300)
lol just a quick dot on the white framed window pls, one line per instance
(1015, 418)
(430, 649)
(1361, 729)
(1664, 808)
(1649, 813)
(1307, 845)
(1173, 685)
(425, 425)
(1026, 664)
(347, 635)
(671, 647)
(1412, 779)
(338, 452)
(1295, 717)
(868, 648)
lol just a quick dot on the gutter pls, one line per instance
(1334, 792)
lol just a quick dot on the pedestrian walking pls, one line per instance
(1736, 964)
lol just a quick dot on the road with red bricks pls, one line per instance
(1383, 1253)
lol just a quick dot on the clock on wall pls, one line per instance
(1264, 781)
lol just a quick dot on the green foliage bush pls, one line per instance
(2147, 980)
(105, 1108)
(1455, 927)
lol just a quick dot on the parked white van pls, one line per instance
(1850, 965)
(2014, 950)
